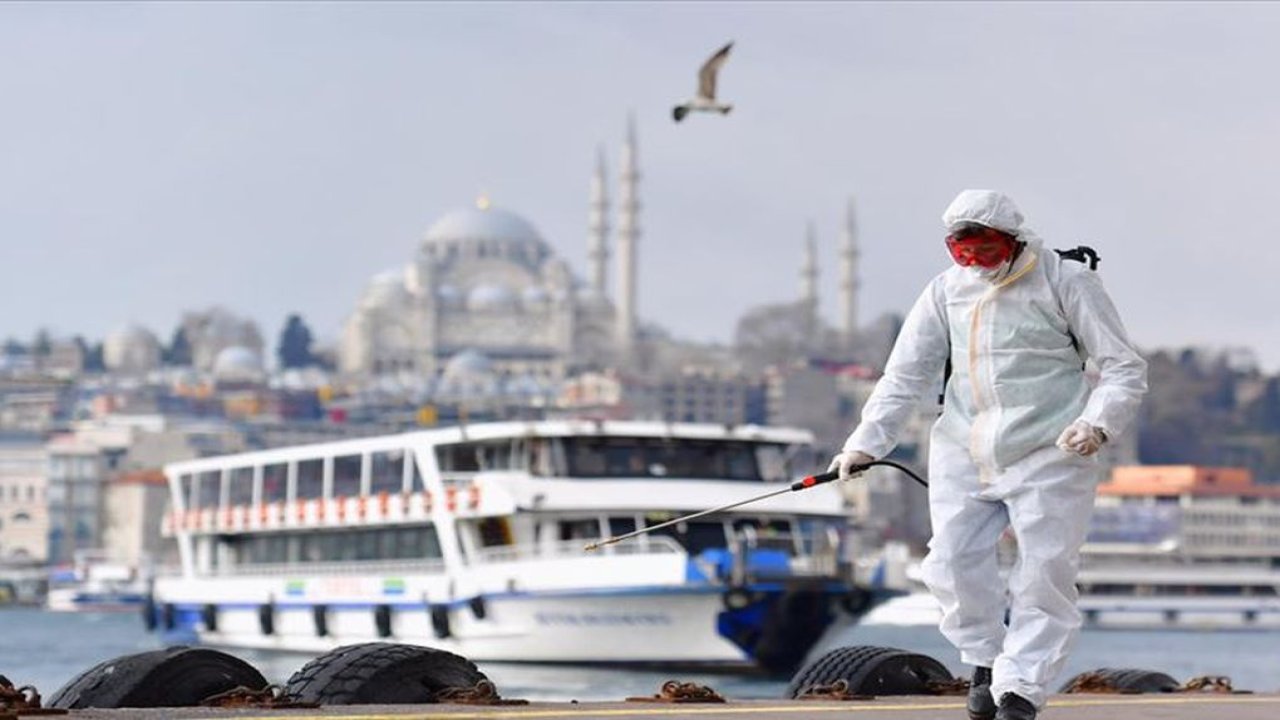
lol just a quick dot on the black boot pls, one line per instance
(981, 706)
(1015, 707)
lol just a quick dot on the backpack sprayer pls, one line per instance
(803, 484)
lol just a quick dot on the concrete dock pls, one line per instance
(1061, 707)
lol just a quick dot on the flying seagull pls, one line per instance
(705, 100)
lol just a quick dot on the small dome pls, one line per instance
(385, 290)
(491, 296)
(534, 295)
(482, 223)
(449, 295)
(237, 363)
(466, 365)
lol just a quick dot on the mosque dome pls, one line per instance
(468, 373)
(386, 290)
(237, 362)
(449, 296)
(491, 296)
(132, 348)
(482, 222)
(534, 295)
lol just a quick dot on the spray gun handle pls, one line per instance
(820, 478)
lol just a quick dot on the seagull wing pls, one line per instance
(707, 75)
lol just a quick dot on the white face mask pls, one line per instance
(989, 274)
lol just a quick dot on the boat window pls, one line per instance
(275, 480)
(579, 529)
(541, 458)
(494, 532)
(240, 486)
(775, 533)
(477, 456)
(310, 482)
(366, 544)
(772, 461)
(404, 543)
(386, 472)
(208, 490)
(346, 475)
(694, 536)
(621, 525)
(662, 457)
(495, 455)
(458, 458)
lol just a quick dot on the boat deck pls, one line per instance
(1062, 707)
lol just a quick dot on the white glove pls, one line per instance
(845, 461)
(1081, 438)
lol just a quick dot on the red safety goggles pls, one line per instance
(981, 246)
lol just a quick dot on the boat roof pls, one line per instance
(480, 432)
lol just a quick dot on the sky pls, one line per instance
(273, 157)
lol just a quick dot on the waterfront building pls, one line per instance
(24, 520)
(135, 503)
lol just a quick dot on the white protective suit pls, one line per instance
(1016, 383)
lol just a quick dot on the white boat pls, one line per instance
(471, 539)
(96, 583)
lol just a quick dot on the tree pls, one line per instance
(294, 350)
(179, 351)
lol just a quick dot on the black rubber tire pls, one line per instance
(174, 677)
(380, 673)
(1132, 680)
(871, 670)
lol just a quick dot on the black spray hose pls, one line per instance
(827, 477)
(796, 486)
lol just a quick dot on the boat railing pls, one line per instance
(349, 567)
(656, 545)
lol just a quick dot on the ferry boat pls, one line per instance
(472, 539)
(1169, 547)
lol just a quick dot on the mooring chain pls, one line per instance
(689, 692)
(674, 691)
(1094, 682)
(483, 693)
(24, 700)
(838, 690)
(954, 686)
(1209, 683)
(269, 697)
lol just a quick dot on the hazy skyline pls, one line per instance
(271, 158)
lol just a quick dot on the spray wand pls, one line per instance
(802, 484)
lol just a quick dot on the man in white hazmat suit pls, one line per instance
(1016, 442)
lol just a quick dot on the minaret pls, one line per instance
(809, 282)
(598, 227)
(848, 279)
(628, 235)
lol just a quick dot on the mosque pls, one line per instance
(485, 294)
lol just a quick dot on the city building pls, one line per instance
(24, 519)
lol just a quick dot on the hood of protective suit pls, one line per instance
(984, 207)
